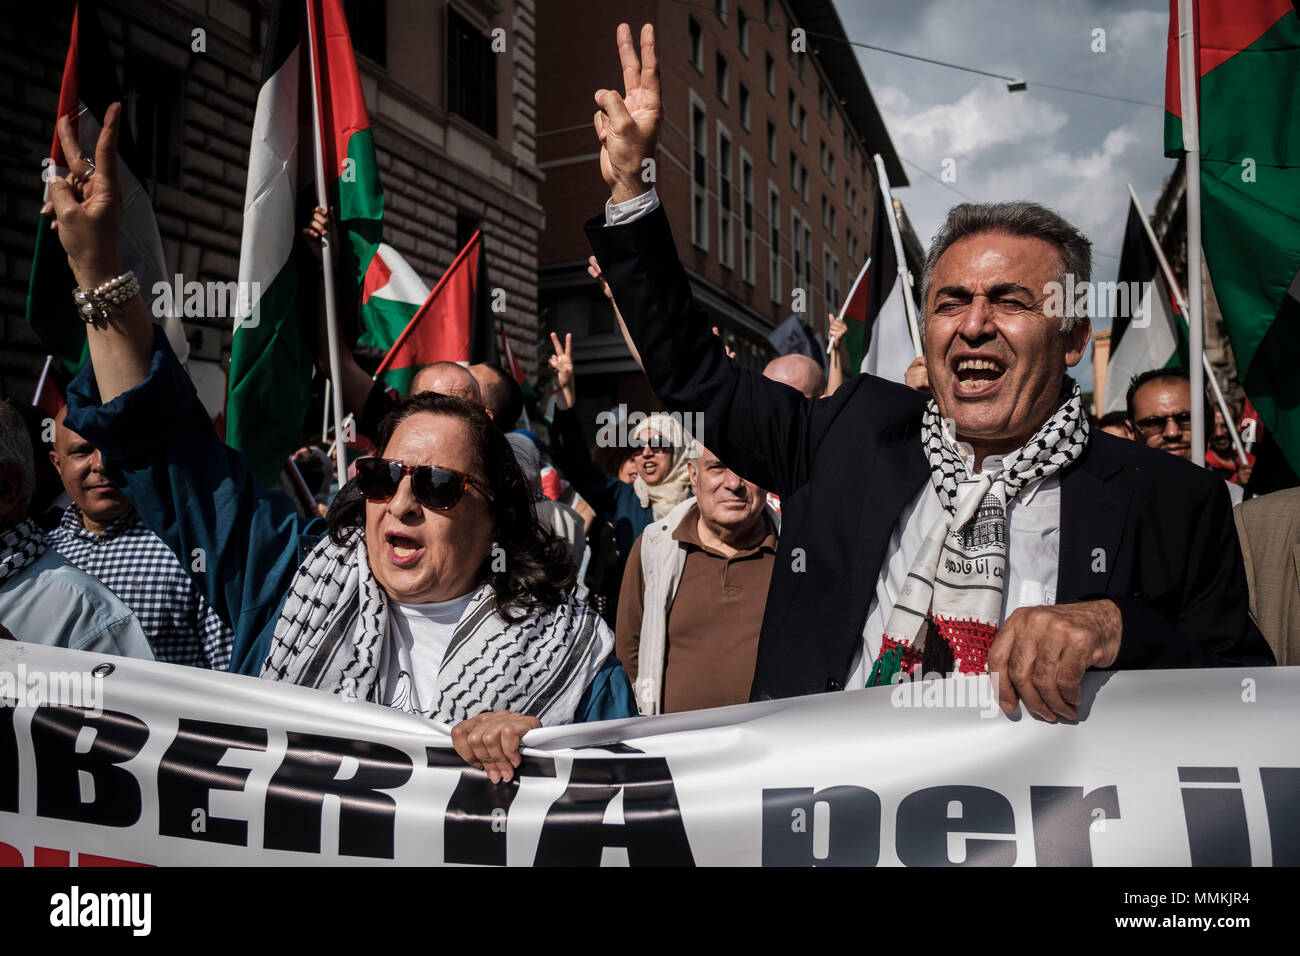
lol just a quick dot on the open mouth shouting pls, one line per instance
(403, 550)
(976, 374)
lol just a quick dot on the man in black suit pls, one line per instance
(1116, 557)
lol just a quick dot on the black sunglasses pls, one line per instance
(438, 489)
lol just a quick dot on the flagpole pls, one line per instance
(830, 346)
(327, 264)
(1182, 307)
(325, 412)
(40, 384)
(904, 285)
(1187, 73)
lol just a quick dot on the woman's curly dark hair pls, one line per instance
(538, 568)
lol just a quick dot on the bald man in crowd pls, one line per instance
(447, 378)
(800, 372)
(502, 397)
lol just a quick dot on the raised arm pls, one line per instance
(133, 401)
(766, 431)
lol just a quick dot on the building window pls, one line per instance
(720, 8)
(746, 218)
(742, 95)
(796, 246)
(770, 72)
(830, 117)
(774, 241)
(831, 278)
(726, 212)
(724, 78)
(699, 175)
(771, 143)
(799, 66)
(833, 218)
(368, 26)
(471, 74)
(803, 182)
(822, 153)
(695, 44)
(794, 171)
(831, 169)
(803, 124)
(153, 106)
(742, 24)
(767, 12)
(807, 260)
(794, 111)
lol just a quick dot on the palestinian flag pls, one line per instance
(453, 325)
(1151, 332)
(390, 296)
(273, 349)
(1248, 64)
(89, 87)
(878, 337)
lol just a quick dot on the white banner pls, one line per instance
(159, 764)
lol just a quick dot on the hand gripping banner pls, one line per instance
(156, 764)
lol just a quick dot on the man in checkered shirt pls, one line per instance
(102, 534)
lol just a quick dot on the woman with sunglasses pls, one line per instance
(660, 447)
(435, 591)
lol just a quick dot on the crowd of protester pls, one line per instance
(472, 573)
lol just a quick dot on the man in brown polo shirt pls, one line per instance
(693, 594)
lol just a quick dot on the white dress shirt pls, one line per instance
(1033, 552)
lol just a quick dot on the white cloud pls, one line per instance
(986, 115)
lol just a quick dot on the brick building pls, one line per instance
(764, 168)
(455, 152)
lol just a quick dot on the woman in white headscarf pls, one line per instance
(661, 483)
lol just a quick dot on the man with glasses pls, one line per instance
(984, 528)
(1160, 414)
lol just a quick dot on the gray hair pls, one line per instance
(1018, 218)
(16, 447)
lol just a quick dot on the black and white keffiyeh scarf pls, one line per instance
(333, 631)
(958, 578)
(20, 547)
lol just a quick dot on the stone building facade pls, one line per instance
(764, 168)
(445, 170)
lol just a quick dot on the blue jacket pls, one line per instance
(240, 542)
(53, 602)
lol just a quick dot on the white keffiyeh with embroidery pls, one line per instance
(958, 578)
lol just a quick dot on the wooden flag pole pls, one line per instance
(327, 263)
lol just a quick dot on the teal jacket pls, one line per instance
(240, 542)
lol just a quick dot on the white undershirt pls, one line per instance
(1033, 553)
(418, 637)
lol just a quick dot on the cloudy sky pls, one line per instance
(1074, 153)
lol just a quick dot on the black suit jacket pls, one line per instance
(1146, 529)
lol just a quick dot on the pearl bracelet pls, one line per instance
(98, 304)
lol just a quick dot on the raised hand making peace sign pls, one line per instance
(628, 125)
(562, 365)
